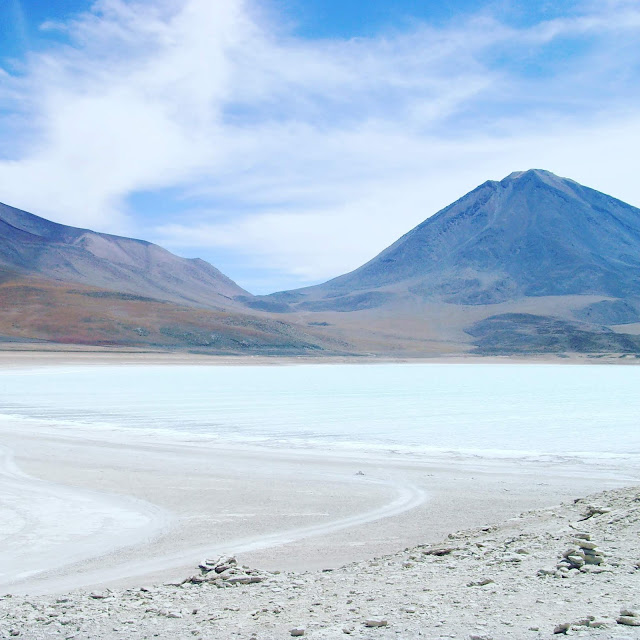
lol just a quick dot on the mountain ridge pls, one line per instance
(31, 245)
(530, 264)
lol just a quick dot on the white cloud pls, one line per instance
(320, 242)
(309, 156)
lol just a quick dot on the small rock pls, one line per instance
(562, 628)
(630, 621)
(480, 583)
(443, 551)
(585, 544)
(576, 560)
(239, 580)
(297, 631)
(593, 510)
(512, 558)
(375, 622)
(598, 623)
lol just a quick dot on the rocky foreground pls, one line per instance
(569, 570)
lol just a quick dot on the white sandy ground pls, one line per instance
(87, 508)
(43, 524)
(488, 583)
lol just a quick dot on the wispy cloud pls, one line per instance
(308, 156)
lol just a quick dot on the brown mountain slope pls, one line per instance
(34, 309)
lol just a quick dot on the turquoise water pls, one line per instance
(482, 409)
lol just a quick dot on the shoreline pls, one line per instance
(23, 356)
(292, 509)
(106, 522)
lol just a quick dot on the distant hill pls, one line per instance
(30, 245)
(74, 286)
(531, 264)
(36, 311)
(532, 238)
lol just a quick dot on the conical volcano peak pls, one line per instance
(541, 174)
(532, 234)
(523, 180)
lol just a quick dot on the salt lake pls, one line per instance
(590, 411)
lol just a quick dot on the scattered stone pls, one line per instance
(297, 631)
(598, 623)
(375, 622)
(512, 558)
(630, 621)
(441, 551)
(480, 583)
(593, 510)
(585, 544)
(629, 617)
(582, 536)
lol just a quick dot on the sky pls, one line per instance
(290, 141)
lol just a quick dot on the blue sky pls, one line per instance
(289, 141)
